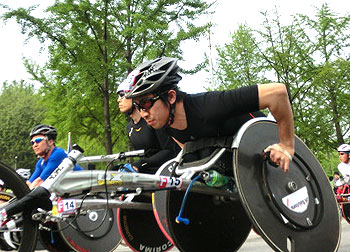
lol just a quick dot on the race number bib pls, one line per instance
(64, 206)
(168, 182)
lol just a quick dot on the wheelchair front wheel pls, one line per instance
(28, 230)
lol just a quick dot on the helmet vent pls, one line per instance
(165, 66)
(144, 87)
(155, 77)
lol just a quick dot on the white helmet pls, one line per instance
(2, 183)
(24, 173)
(344, 148)
(339, 182)
(126, 85)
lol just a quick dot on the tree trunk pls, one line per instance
(107, 118)
(106, 112)
(335, 119)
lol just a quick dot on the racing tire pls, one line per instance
(19, 189)
(345, 207)
(345, 211)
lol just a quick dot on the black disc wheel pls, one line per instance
(53, 240)
(214, 225)
(26, 234)
(94, 231)
(140, 230)
(294, 211)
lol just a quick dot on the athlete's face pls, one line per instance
(155, 112)
(39, 144)
(343, 157)
(124, 104)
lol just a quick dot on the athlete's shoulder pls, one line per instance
(38, 163)
(344, 165)
(58, 152)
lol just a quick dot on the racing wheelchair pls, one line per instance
(343, 199)
(296, 211)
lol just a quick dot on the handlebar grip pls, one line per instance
(78, 148)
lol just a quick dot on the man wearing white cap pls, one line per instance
(344, 157)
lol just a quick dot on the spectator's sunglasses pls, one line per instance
(146, 103)
(37, 140)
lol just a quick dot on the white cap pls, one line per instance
(2, 183)
(344, 148)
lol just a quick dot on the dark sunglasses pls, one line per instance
(121, 94)
(146, 103)
(37, 140)
(342, 153)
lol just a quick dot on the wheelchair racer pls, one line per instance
(50, 156)
(158, 146)
(219, 113)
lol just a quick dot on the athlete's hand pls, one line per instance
(128, 168)
(37, 182)
(280, 154)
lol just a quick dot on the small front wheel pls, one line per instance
(26, 233)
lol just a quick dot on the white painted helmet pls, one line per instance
(24, 173)
(339, 182)
(126, 85)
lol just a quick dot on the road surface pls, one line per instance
(255, 243)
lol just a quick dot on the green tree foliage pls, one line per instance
(20, 110)
(239, 62)
(309, 56)
(330, 83)
(92, 47)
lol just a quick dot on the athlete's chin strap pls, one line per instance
(48, 146)
(131, 110)
(172, 113)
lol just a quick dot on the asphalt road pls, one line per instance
(255, 243)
